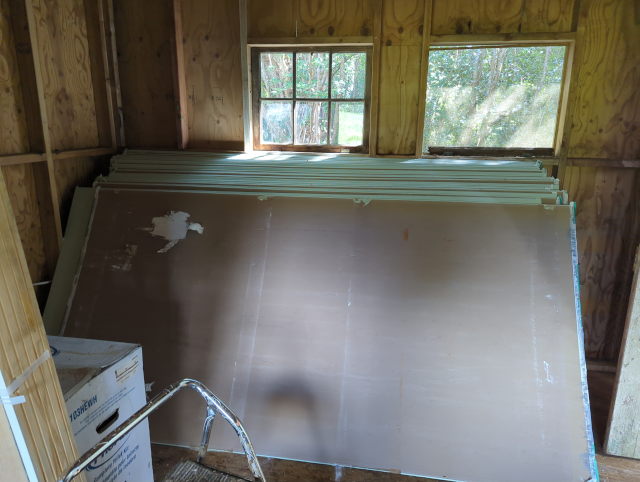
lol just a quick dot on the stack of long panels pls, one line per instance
(337, 176)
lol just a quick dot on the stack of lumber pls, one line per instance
(336, 176)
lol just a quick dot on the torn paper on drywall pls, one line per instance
(173, 227)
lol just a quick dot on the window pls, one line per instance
(492, 99)
(311, 99)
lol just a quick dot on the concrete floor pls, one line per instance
(611, 469)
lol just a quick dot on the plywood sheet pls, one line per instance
(429, 338)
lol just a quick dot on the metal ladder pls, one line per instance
(188, 470)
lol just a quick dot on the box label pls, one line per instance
(127, 371)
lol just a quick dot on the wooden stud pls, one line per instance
(497, 39)
(31, 21)
(114, 75)
(324, 41)
(623, 428)
(424, 73)
(576, 162)
(179, 84)
(245, 58)
(105, 46)
(43, 418)
(100, 72)
(572, 72)
(375, 78)
(14, 159)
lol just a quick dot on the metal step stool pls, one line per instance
(190, 471)
(186, 471)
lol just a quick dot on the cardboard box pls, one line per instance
(103, 385)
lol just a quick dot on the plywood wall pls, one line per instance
(14, 139)
(143, 35)
(213, 72)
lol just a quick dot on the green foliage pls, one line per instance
(493, 97)
(348, 72)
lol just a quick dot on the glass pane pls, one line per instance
(276, 74)
(493, 97)
(311, 122)
(275, 122)
(348, 72)
(312, 75)
(347, 123)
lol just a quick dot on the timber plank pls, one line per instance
(606, 123)
(213, 72)
(65, 64)
(623, 429)
(43, 418)
(399, 98)
(144, 61)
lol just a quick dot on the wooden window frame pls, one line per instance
(257, 99)
(474, 41)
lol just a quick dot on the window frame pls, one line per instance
(476, 41)
(256, 99)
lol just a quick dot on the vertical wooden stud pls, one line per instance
(246, 78)
(179, 85)
(424, 72)
(114, 74)
(100, 72)
(375, 77)
(572, 71)
(31, 21)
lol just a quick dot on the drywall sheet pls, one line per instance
(436, 339)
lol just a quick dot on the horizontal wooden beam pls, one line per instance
(324, 41)
(97, 151)
(32, 157)
(576, 162)
(535, 152)
(21, 159)
(502, 38)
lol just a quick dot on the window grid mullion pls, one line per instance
(293, 102)
(329, 99)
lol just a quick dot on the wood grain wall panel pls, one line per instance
(476, 16)
(399, 97)
(547, 16)
(606, 119)
(607, 221)
(14, 139)
(402, 22)
(66, 73)
(43, 418)
(213, 73)
(309, 18)
(143, 31)
(24, 203)
(10, 460)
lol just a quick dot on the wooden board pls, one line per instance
(308, 18)
(508, 16)
(66, 73)
(43, 418)
(24, 202)
(365, 336)
(143, 31)
(607, 220)
(213, 73)
(606, 119)
(10, 460)
(402, 22)
(623, 430)
(398, 99)
(14, 138)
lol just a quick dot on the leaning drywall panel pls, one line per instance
(436, 339)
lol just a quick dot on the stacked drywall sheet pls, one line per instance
(440, 339)
(336, 176)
